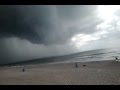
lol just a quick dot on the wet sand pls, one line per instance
(87, 73)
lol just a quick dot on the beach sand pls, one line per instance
(87, 73)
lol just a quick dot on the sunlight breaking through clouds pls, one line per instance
(107, 12)
(110, 24)
(82, 39)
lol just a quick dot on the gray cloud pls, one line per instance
(35, 31)
(42, 23)
(14, 49)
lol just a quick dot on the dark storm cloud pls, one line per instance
(12, 24)
(42, 23)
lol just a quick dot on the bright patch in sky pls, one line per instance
(107, 12)
(110, 22)
(110, 19)
(82, 39)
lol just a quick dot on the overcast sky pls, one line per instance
(35, 31)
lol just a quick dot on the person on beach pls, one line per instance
(23, 70)
(76, 66)
(116, 58)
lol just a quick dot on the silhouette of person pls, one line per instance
(76, 65)
(116, 58)
(23, 70)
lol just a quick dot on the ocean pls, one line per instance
(92, 55)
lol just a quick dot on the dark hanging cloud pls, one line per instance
(43, 24)
(12, 24)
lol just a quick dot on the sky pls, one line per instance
(36, 31)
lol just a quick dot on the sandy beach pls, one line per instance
(87, 73)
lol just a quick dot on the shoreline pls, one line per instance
(67, 62)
